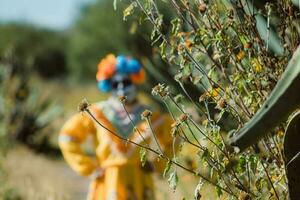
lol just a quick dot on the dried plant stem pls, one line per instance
(154, 135)
(201, 68)
(135, 128)
(248, 175)
(152, 21)
(196, 64)
(268, 147)
(277, 147)
(184, 137)
(133, 125)
(191, 100)
(208, 138)
(269, 178)
(159, 154)
(195, 124)
(209, 155)
(195, 138)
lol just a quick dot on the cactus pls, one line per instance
(283, 100)
(266, 32)
(291, 155)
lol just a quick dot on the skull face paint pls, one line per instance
(122, 86)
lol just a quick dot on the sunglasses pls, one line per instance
(125, 82)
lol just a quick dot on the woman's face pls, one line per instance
(122, 86)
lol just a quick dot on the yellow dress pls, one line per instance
(124, 178)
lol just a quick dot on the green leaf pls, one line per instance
(173, 180)
(115, 4)
(159, 21)
(211, 73)
(143, 156)
(167, 168)
(153, 34)
(241, 167)
(253, 163)
(219, 191)
(211, 172)
(162, 47)
(205, 154)
(196, 79)
(220, 115)
(176, 25)
(265, 120)
(178, 98)
(129, 10)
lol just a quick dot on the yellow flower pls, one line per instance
(280, 133)
(247, 45)
(256, 65)
(240, 55)
(205, 122)
(181, 34)
(215, 92)
(189, 44)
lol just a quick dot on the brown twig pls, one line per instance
(157, 153)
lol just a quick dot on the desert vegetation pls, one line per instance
(210, 65)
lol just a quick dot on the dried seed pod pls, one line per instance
(175, 124)
(248, 45)
(240, 55)
(160, 90)
(174, 128)
(146, 114)
(183, 117)
(222, 103)
(189, 44)
(122, 98)
(178, 98)
(180, 48)
(244, 196)
(203, 97)
(202, 7)
(83, 106)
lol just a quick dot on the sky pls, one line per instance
(53, 14)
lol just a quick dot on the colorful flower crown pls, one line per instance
(110, 65)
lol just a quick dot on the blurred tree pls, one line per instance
(39, 49)
(99, 30)
(24, 111)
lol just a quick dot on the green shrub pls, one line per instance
(235, 52)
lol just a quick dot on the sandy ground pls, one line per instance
(36, 177)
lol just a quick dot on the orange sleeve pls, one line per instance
(72, 135)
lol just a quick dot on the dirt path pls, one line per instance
(37, 177)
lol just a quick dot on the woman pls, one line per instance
(116, 170)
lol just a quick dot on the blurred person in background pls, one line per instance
(116, 170)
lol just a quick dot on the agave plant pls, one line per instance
(236, 52)
(24, 111)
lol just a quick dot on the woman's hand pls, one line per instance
(97, 173)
